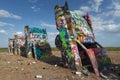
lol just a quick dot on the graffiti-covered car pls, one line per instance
(10, 45)
(33, 43)
(36, 42)
(76, 40)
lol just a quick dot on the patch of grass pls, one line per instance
(54, 49)
(3, 49)
(112, 48)
(107, 48)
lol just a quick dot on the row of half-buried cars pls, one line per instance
(33, 43)
(75, 40)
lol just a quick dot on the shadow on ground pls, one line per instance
(52, 60)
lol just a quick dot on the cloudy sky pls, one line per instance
(15, 14)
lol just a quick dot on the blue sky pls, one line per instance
(15, 14)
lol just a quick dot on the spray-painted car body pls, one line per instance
(10, 45)
(33, 43)
(36, 42)
(18, 44)
(15, 44)
(76, 40)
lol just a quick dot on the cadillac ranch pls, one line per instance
(79, 55)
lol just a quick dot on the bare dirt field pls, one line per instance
(14, 67)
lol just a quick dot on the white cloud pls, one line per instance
(115, 6)
(19, 33)
(114, 28)
(97, 4)
(48, 25)
(95, 7)
(35, 8)
(108, 13)
(99, 24)
(3, 31)
(117, 13)
(85, 8)
(6, 24)
(6, 14)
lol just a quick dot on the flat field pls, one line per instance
(14, 67)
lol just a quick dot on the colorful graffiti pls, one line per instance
(32, 44)
(76, 40)
(64, 25)
(82, 29)
(10, 45)
(37, 38)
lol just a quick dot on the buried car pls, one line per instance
(76, 41)
(33, 43)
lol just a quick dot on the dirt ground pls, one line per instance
(13, 67)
